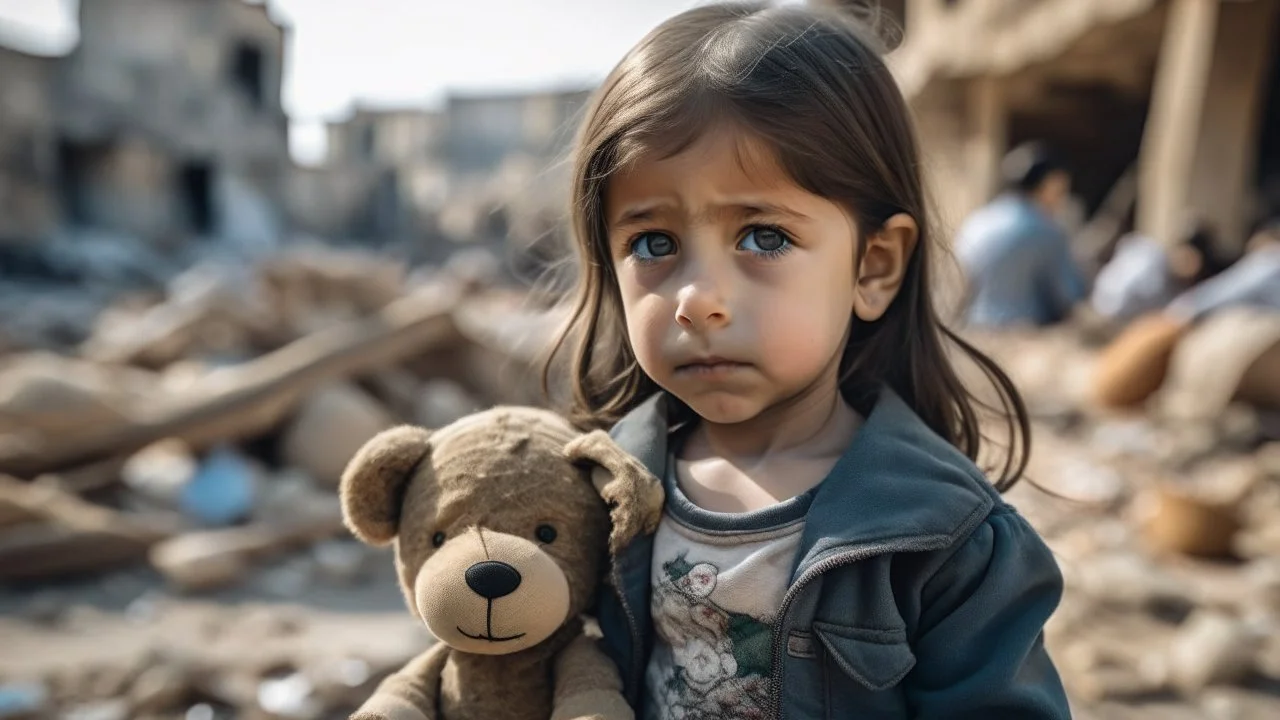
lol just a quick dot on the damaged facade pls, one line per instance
(27, 205)
(484, 170)
(164, 123)
(1167, 110)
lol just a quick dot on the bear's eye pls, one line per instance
(438, 539)
(546, 534)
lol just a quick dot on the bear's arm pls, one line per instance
(411, 693)
(587, 684)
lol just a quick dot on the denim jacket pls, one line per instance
(917, 592)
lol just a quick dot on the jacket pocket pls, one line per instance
(876, 659)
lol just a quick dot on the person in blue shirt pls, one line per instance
(1015, 256)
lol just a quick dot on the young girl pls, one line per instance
(754, 320)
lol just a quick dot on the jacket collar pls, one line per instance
(897, 481)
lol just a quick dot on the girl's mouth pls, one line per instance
(711, 366)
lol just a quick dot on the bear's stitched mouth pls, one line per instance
(490, 638)
(488, 628)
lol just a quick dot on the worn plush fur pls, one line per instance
(502, 523)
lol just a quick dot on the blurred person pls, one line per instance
(754, 320)
(1254, 280)
(1229, 324)
(1016, 257)
(1145, 274)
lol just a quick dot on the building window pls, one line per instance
(247, 63)
(368, 142)
(195, 189)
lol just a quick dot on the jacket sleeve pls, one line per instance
(980, 641)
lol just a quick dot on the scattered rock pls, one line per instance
(1268, 459)
(1238, 427)
(213, 558)
(397, 389)
(265, 622)
(288, 580)
(1124, 438)
(102, 710)
(48, 393)
(1088, 482)
(346, 682)
(45, 608)
(200, 711)
(1211, 648)
(144, 609)
(1185, 444)
(289, 697)
(161, 470)
(1106, 683)
(284, 494)
(160, 688)
(441, 401)
(110, 681)
(329, 428)
(1175, 521)
(1259, 541)
(1228, 481)
(341, 562)
(1127, 579)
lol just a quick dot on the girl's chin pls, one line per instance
(722, 407)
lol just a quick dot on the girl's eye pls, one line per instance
(767, 241)
(438, 539)
(546, 534)
(652, 245)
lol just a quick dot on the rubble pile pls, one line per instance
(1168, 536)
(171, 544)
(168, 486)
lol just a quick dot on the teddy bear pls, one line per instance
(502, 523)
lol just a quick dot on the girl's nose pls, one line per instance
(700, 306)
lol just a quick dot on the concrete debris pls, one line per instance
(1173, 520)
(442, 401)
(206, 559)
(330, 426)
(1211, 648)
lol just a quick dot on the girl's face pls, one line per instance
(737, 284)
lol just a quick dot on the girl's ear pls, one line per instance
(884, 266)
(634, 495)
(373, 484)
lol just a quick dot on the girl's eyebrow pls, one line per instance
(646, 212)
(638, 214)
(756, 209)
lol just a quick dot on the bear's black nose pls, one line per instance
(492, 579)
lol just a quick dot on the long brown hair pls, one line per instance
(813, 86)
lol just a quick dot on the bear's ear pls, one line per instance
(634, 495)
(373, 484)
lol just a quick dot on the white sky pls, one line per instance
(407, 52)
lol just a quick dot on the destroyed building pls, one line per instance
(1170, 108)
(27, 204)
(163, 123)
(382, 167)
(481, 171)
